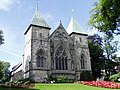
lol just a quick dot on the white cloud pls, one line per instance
(5, 5)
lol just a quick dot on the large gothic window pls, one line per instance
(40, 58)
(61, 59)
(82, 62)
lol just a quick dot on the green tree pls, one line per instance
(97, 59)
(5, 71)
(106, 18)
(106, 15)
(1, 67)
(1, 37)
(110, 48)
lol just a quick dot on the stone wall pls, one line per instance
(40, 41)
(39, 75)
(17, 76)
(80, 49)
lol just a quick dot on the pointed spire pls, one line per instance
(38, 19)
(60, 22)
(60, 26)
(74, 26)
(37, 6)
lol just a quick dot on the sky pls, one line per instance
(16, 15)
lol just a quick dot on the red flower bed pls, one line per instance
(104, 84)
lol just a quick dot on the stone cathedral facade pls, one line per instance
(63, 53)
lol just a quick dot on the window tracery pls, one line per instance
(40, 58)
(61, 59)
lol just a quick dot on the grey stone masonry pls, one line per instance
(58, 54)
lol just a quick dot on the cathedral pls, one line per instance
(64, 52)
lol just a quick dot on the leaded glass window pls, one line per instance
(61, 59)
(40, 58)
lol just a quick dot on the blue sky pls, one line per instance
(15, 16)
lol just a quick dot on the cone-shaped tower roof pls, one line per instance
(74, 26)
(38, 19)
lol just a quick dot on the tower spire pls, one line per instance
(60, 22)
(37, 18)
(74, 26)
(37, 4)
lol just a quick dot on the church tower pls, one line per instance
(63, 53)
(36, 61)
(81, 50)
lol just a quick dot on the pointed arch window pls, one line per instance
(61, 59)
(82, 62)
(40, 58)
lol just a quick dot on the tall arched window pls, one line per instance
(82, 62)
(61, 59)
(40, 58)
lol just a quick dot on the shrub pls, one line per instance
(86, 76)
(25, 80)
(60, 79)
(114, 77)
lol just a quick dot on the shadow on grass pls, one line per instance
(18, 88)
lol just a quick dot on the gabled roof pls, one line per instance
(59, 27)
(60, 34)
(74, 26)
(38, 19)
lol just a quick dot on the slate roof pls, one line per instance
(38, 19)
(74, 26)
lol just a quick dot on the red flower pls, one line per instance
(104, 84)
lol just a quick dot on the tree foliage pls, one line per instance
(1, 67)
(4, 71)
(1, 37)
(103, 55)
(97, 59)
(106, 16)
(110, 48)
(86, 76)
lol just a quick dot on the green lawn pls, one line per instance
(68, 87)
(61, 87)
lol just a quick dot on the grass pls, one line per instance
(18, 89)
(68, 87)
(59, 87)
